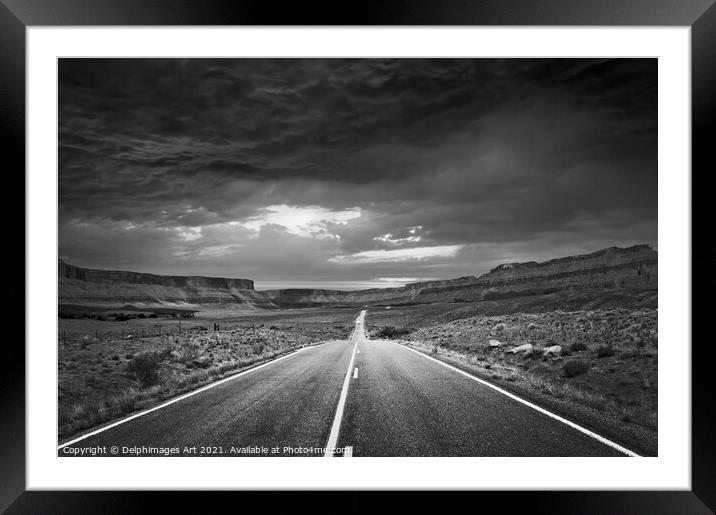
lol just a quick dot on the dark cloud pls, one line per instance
(169, 165)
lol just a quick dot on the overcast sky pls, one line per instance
(352, 173)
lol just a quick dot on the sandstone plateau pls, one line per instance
(612, 276)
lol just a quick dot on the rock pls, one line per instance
(526, 348)
(554, 350)
(201, 362)
(494, 343)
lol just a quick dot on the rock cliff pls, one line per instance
(85, 286)
(614, 268)
(619, 271)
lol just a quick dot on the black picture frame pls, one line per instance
(700, 15)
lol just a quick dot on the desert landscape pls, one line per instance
(349, 257)
(577, 334)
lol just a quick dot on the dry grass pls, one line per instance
(102, 379)
(90, 412)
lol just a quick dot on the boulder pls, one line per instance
(494, 343)
(554, 350)
(526, 348)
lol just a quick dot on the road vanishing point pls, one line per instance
(351, 398)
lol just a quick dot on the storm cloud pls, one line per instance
(352, 172)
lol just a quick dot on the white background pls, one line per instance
(670, 470)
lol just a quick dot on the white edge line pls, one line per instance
(181, 397)
(527, 403)
(335, 428)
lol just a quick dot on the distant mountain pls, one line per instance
(613, 276)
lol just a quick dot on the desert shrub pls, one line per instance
(474, 346)
(125, 402)
(577, 346)
(188, 353)
(532, 355)
(88, 340)
(575, 367)
(641, 415)
(499, 328)
(604, 351)
(393, 332)
(257, 348)
(90, 380)
(145, 368)
(121, 318)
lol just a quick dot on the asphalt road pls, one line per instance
(365, 397)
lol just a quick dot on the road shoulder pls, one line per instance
(641, 441)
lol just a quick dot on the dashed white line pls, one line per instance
(571, 424)
(358, 335)
(336, 427)
(355, 373)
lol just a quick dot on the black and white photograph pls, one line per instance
(357, 257)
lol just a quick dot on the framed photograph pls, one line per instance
(425, 239)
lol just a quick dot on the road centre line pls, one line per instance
(336, 427)
(512, 396)
(181, 397)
